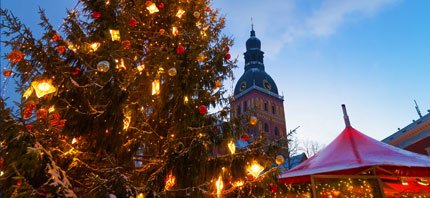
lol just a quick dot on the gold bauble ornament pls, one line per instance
(103, 66)
(253, 120)
(196, 14)
(201, 57)
(172, 72)
(280, 160)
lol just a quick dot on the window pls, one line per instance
(276, 131)
(239, 110)
(245, 106)
(265, 106)
(273, 109)
(266, 127)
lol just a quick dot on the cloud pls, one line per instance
(333, 13)
(283, 22)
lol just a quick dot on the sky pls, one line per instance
(372, 55)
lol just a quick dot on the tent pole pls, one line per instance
(380, 187)
(314, 192)
(345, 116)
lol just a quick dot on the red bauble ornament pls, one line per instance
(7, 72)
(42, 114)
(1, 163)
(160, 5)
(29, 127)
(61, 49)
(148, 3)
(227, 48)
(28, 109)
(180, 50)
(26, 114)
(30, 105)
(203, 109)
(56, 37)
(273, 188)
(126, 44)
(132, 22)
(227, 56)
(15, 56)
(19, 183)
(56, 121)
(96, 14)
(245, 137)
(76, 71)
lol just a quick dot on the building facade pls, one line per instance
(256, 94)
(414, 137)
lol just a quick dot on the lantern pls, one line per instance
(43, 87)
(152, 8)
(255, 169)
(115, 35)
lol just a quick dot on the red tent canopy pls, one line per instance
(353, 152)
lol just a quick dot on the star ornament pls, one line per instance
(43, 87)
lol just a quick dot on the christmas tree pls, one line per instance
(115, 103)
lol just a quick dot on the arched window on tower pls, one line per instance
(266, 106)
(273, 109)
(239, 110)
(276, 131)
(245, 106)
(266, 127)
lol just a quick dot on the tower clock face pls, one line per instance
(267, 85)
(242, 86)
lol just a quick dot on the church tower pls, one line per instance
(256, 94)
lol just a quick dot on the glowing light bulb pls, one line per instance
(232, 147)
(126, 122)
(175, 31)
(156, 87)
(51, 109)
(170, 181)
(27, 93)
(219, 185)
(94, 46)
(238, 183)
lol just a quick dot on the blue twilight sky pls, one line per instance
(372, 55)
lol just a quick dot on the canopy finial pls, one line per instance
(345, 116)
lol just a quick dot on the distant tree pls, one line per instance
(310, 147)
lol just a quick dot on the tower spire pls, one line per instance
(252, 27)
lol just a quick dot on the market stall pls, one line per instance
(361, 166)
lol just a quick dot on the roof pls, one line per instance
(411, 134)
(353, 150)
(293, 162)
(255, 77)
